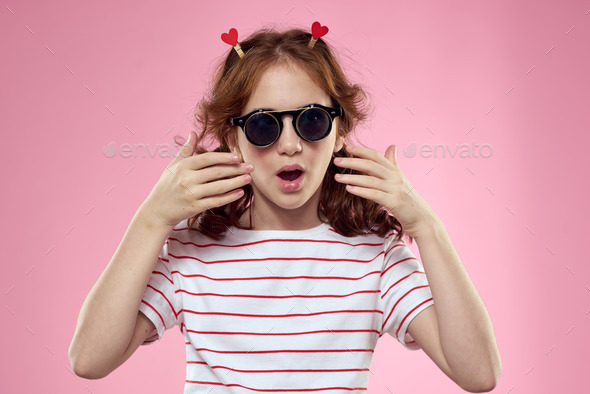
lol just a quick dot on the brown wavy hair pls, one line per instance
(233, 83)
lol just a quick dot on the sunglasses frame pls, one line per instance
(242, 121)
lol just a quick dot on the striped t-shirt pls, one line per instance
(283, 311)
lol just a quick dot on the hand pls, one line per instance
(385, 184)
(191, 184)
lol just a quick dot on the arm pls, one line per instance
(144, 328)
(109, 326)
(108, 316)
(456, 332)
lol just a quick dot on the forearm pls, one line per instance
(108, 315)
(465, 328)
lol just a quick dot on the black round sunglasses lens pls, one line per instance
(314, 124)
(262, 129)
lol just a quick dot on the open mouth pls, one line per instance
(290, 175)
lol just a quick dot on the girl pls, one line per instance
(279, 254)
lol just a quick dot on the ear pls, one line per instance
(339, 144)
(232, 143)
(339, 139)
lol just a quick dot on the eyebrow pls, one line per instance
(272, 109)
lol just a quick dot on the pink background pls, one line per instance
(78, 76)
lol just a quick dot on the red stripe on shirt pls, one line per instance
(275, 277)
(271, 316)
(277, 370)
(280, 351)
(166, 298)
(397, 262)
(275, 258)
(273, 296)
(154, 309)
(274, 240)
(277, 333)
(161, 273)
(275, 390)
(398, 301)
(393, 285)
(409, 313)
(393, 247)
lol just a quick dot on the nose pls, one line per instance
(289, 142)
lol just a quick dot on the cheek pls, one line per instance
(260, 160)
(246, 149)
(250, 154)
(327, 151)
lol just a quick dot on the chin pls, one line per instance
(289, 200)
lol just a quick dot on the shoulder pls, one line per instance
(183, 232)
(188, 243)
(388, 240)
(369, 245)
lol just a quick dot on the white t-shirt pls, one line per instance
(283, 310)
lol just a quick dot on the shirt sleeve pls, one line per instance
(404, 291)
(161, 301)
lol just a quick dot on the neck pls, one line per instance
(268, 216)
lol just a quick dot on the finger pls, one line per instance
(221, 171)
(222, 186)
(187, 149)
(221, 199)
(378, 196)
(208, 159)
(363, 180)
(364, 165)
(391, 154)
(370, 154)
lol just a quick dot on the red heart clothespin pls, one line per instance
(231, 38)
(317, 31)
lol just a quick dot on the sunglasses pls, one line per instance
(312, 123)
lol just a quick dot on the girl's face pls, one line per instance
(276, 194)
